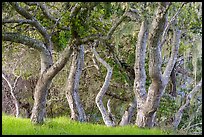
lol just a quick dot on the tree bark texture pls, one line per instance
(139, 67)
(48, 69)
(40, 96)
(148, 103)
(72, 86)
(104, 88)
(41, 90)
(127, 116)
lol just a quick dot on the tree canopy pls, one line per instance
(141, 59)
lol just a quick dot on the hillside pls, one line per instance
(64, 126)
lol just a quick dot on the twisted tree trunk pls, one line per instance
(72, 86)
(105, 115)
(148, 103)
(41, 90)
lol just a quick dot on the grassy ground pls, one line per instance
(64, 126)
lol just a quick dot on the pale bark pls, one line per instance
(99, 97)
(80, 62)
(140, 76)
(41, 90)
(48, 69)
(179, 114)
(127, 116)
(139, 67)
(112, 117)
(34, 21)
(44, 81)
(148, 104)
(72, 87)
(173, 58)
(38, 112)
(40, 96)
(12, 88)
(25, 40)
(146, 116)
(169, 24)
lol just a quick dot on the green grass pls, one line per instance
(65, 126)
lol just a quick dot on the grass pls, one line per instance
(65, 126)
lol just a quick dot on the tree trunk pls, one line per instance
(105, 115)
(72, 87)
(41, 90)
(40, 96)
(147, 112)
(147, 103)
(140, 74)
(48, 72)
(48, 69)
(127, 116)
(146, 116)
(145, 120)
(80, 62)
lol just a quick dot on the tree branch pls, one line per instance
(34, 22)
(169, 24)
(21, 11)
(139, 66)
(179, 114)
(4, 21)
(112, 117)
(174, 53)
(152, 101)
(25, 40)
(113, 28)
(90, 38)
(57, 66)
(110, 32)
(46, 12)
(127, 116)
(31, 3)
(74, 11)
(12, 93)
(154, 39)
(183, 71)
(173, 82)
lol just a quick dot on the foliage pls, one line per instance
(97, 18)
(165, 114)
